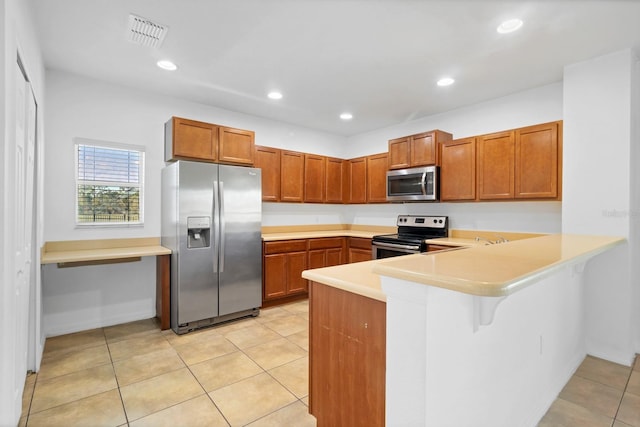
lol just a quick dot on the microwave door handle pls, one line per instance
(423, 183)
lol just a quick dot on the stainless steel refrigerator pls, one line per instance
(211, 220)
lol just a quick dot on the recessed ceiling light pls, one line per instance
(346, 116)
(445, 81)
(165, 64)
(275, 95)
(509, 26)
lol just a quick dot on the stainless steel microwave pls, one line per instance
(415, 184)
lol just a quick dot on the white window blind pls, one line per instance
(109, 184)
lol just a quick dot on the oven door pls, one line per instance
(387, 250)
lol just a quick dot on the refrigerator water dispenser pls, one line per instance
(199, 231)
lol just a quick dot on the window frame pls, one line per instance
(77, 182)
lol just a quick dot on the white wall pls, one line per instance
(17, 36)
(600, 115)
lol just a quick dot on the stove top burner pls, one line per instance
(414, 229)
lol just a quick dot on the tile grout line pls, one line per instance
(124, 409)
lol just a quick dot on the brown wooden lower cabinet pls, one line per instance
(283, 264)
(347, 358)
(359, 249)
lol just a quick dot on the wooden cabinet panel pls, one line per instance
(275, 276)
(317, 258)
(296, 264)
(291, 176)
(268, 159)
(334, 256)
(495, 166)
(347, 358)
(283, 246)
(458, 170)
(236, 146)
(190, 140)
(314, 178)
(359, 249)
(377, 178)
(399, 153)
(423, 149)
(358, 180)
(536, 161)
(327, 251)
(335, 180)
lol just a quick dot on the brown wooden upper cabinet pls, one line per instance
(458, 170)
(520, 164)
(336, 180)
(291, 176)
(268, 159)
(358, 180)
(193, 140)
(377, 178)
(417, 150)
(537, 160)
(314, 178)
(235, 146)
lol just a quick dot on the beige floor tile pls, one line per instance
(301, 339)
(138, 368)
(288, 325)
(300, 307)
(191, 337)
(294, 376)
(73, 341)
(629, 411)
(124, 349)
(250, 399)
(636, 365)
(67, 388)
(198, 351)
(23, 421)
(73, 361)
(197, 412)
(225, 328)
(566, 414)
(305, 400)
(146, 397)
(224, 370)
(618, 423)
(296, 414)
(27, 394)
(104, 409)
(131, 330)
(271, 313)
(604, 372)
(252, 335)
(275, 353)
(634, 383)
(593, 395)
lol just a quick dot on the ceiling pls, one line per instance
(378, 59)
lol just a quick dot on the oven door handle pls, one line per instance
(397, 246)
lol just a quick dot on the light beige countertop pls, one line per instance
(75, 251)
(456, 242)
(268, 237)
(485, 270)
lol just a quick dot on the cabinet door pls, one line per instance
(317, 258)
(495, 163)
(422, 149)
(358, 255)
(268, 159)
(377, 178)
(296, 264)
(458, 170)
(291, 176)
(236, 146)
(314, 178)
(190, 140)
(275, 276)
(399, 153)
(536, 154)
(334, 182)
(334, 256)
(358, 180)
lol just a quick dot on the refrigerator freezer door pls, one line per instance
(197, 283)
(241, 244)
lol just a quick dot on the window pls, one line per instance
(109, 183)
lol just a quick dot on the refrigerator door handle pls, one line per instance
(223, 220)
(216, 227)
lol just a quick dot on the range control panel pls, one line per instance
(422, 221)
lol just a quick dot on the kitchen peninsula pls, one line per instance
(486, 335)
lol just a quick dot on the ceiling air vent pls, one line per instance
(145, 32)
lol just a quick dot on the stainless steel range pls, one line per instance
(413, 230)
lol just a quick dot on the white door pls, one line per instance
(23, 203)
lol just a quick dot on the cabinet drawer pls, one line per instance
(360, 243)
(326, 242)
(285, 246)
